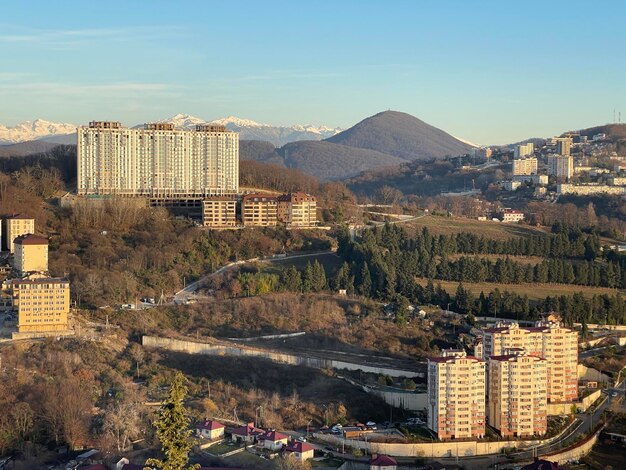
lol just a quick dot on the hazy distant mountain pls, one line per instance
(401, 135)
(25, 148)
(33, 130)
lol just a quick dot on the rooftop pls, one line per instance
(30, 239)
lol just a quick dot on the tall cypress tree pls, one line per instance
(172, 429)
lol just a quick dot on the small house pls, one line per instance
(273, 440)
(210, 429)
(247, 434)
(300, 450)
(383, 462)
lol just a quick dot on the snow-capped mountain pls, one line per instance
(252, 130)
(248, 130)
(34, 130)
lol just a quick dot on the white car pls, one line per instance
(370, 423)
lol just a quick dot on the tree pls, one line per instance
(291, 463)
(172, 429)
(122, 422)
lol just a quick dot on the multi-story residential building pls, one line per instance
(617, 180)
(259, 210)
(15, 226)
(297, 209)
(523, 150)
(587, 189)
(564, 145)
(517, 403)
(31, 254)
(511, 215)
(456, 395)
(549, 340)
(536, 179)
(157, 161)
(525, 166)
(42, 303)
(511, 185)
(561, 166)
(219, 212)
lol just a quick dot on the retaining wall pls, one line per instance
(225, 349)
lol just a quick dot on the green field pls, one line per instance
(330, 261)
(533, 291)
(490, 229)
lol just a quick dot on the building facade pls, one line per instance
(564, 145)
(297, 209)
(525, 166)
(517, 403)
(15, 226)
(587, 189)
(547, 339)
(456, 395)
(31, 254)
(259, 210)
(42, 303)
(561, 166)
(157, 161)
(511, 216)
(219, 212)
(524, 150)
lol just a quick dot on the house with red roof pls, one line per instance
(273, 440)
(300, 450)
(247, 434)
(383, 462)
(210, 429)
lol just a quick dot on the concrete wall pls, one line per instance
(589, 373)
(400, 399)
(566, 408)
(574, 453)
(226, 349)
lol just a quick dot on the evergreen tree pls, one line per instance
(292, 279)
(307, 278)
(172, 429)
(319, 277)
(365, 287)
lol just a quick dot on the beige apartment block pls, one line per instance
(561, 166)
(157, 161)
(259, 210)
(15, 226)
(456, 395)
(297, 210)
(517, 404)
(42, 303)
(547, 339)
(219, 212)
(523, 150)
(525, 166)
(31, 254)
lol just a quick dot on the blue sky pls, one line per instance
(486, 71)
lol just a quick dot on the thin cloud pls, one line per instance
(108, 89)
(79, 36)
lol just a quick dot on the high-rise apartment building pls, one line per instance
(297, 209)
(517, 404)
(31, 254)
(42, 303)
(15, 226)
(157, 161)
(523, 150)
(259, 210)
(547, 339)
(525, 166)
(564, 145)
(219, 212)
(456, 395)
(561, 166)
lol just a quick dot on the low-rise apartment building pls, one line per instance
(42, 303)
(297, 209)
(15, 226)
(517, 404)
(219, 212)
(259, 210)
(587, 189)
(511, 215)
(31, 254)
(456, 395)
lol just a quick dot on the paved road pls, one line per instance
(189, 292)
